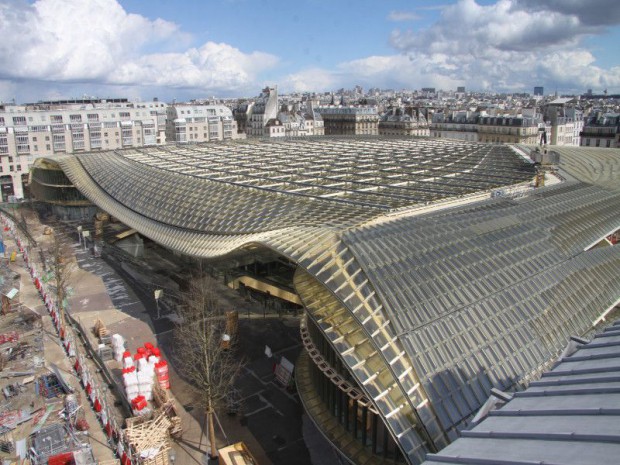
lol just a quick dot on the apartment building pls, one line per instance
(265, 117)
(566, 121)
(194, 123)
(262, 113)
(48, 129)
(602, 130)
(300, 121)
(350, 120)
(510, 129)
(459, 125)
(400, 121)
(505, 129)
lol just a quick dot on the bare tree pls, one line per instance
(61, 266)
(208, 362)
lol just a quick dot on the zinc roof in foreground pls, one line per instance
(570, 416)
(431, 290)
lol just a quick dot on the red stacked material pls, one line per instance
(149, 348)
(129, 370)
(138, 403)
(97, 405)
(161, 370)
(61, 459)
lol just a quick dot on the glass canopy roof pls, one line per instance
(441, 303)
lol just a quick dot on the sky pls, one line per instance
(193, 49)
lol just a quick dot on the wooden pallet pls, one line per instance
(150, 436)
(100, 330)
(166, 404)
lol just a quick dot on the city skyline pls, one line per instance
(232, 48)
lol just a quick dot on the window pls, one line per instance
(75, 118)
(22, 143)
(19, 120)
(19, 167)
(92, 117)
(587, 142)
(47, 138)
(59, 142)
(608, 143)
(598, 142)
(56, 118)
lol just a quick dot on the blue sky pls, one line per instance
(226, 48)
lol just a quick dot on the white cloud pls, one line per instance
(591, 12)
(107, 45)
(395, 71)
(212, 66)
(311, 80)
(404, 72)
(467, 27)
(403, 16)
(504, 45)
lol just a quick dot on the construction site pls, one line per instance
(63, 402)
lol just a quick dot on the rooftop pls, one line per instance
(569, 416)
